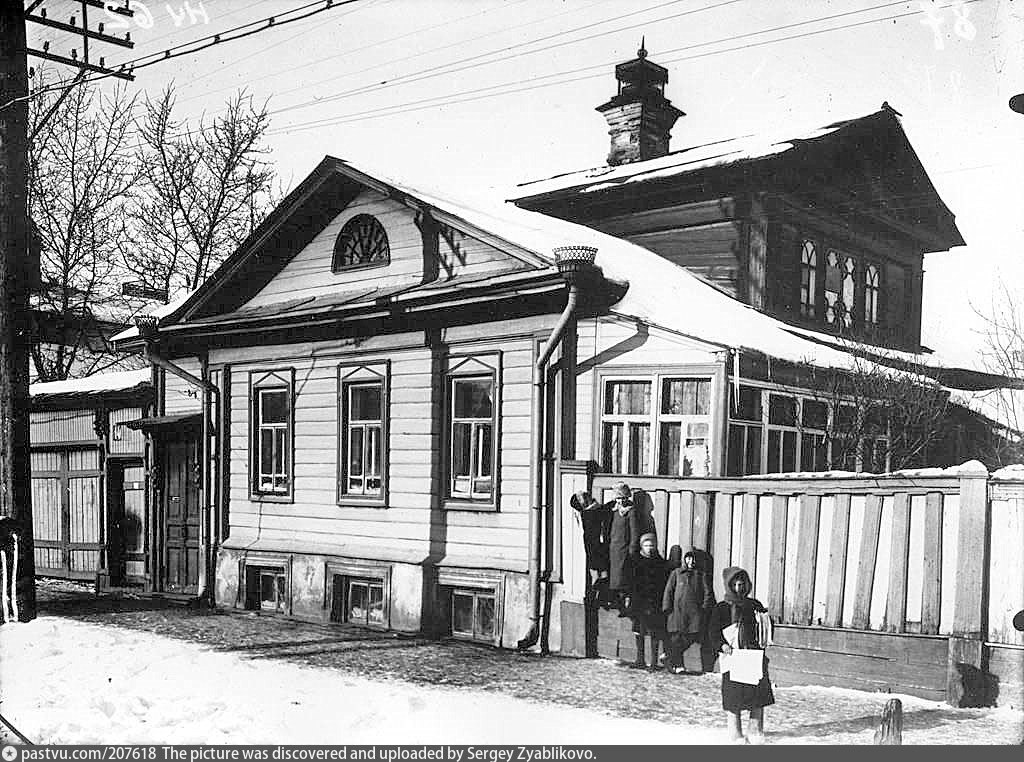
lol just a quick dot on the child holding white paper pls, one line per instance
(736, 619)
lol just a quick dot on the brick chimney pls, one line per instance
(639, 116)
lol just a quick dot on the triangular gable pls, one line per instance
(305, 214)
(850, 154)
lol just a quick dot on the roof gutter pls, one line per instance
(572, 261)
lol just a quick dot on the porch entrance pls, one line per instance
(180, 511)
(129, 526)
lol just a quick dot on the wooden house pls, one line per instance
(89, 479)
(372, 411)
(825, 230)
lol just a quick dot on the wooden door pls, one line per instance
(181, 515)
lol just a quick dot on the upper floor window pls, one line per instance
(833, 285)
(272, 425)
(677, 408)
(872, 286)
(848, 289)
(362, 242)
(808, 278)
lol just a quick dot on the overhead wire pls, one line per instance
(453, 98)
(194, 46)
(391, 61)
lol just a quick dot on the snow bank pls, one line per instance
(71, 682)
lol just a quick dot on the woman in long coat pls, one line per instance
(740, 609)
(687, 602)
(623, 539)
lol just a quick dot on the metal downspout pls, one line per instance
(538, 421)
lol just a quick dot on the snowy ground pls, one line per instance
(66, 681)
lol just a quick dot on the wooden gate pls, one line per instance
(68, 513)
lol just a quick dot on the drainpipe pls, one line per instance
(571, 261)
(148, 327)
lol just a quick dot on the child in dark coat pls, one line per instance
(650, 571)
(687, 602)
(740, 609)
(624, 531)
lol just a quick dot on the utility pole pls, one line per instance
(15, 479)
(17, 557)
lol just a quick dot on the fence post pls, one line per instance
(965, 680)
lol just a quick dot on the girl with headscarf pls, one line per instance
(741, 610)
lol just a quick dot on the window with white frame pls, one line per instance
(272, 432)
(676, 407)
(362, 400)
(472, 425)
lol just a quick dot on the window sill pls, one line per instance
(358, 501)
(457, 504)
(270, 497)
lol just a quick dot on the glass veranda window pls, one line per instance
(364, 438)
(472, 438)
(273, 414)
(626, 427)
(684, 427)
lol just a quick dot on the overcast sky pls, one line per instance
(474, 96)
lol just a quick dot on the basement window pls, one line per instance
(358, 601)
(473, 614)
(266, 589)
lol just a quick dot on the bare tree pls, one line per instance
(81, 176)
(205, 187)
(1003, 353)
(882, 418)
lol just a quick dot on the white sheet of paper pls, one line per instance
(745, 665)
(731, 633)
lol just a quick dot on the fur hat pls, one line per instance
(731, 572)
(622, 490)
(582, 501)
(649, 536)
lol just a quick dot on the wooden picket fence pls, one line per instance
(936, 558)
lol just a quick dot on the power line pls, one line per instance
(452, 99)
(458, 43)
(194, 46)
(446, 69)
(415, 77)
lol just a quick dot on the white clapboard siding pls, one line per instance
(179, 395)
(414, 437)
(309, 272)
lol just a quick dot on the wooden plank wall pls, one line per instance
(704, 237)
(125, 441)
(871, 555)
(407, 529)
(62, 426)
(309, 272)
(179, 395)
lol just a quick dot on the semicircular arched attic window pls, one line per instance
(361, 243)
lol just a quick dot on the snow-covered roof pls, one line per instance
(160, 311)
(99, 383)
(718, 153)
(660, 292)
